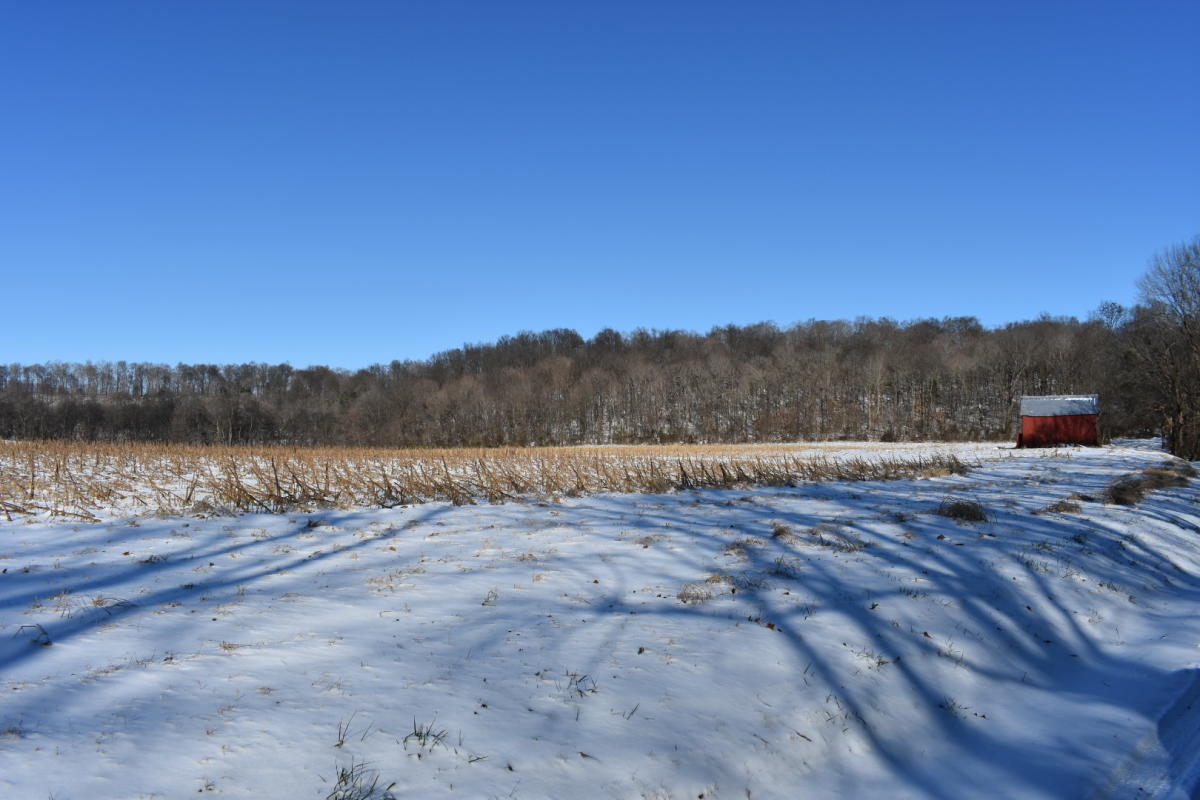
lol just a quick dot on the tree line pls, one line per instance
(868, 379)
(872, 379)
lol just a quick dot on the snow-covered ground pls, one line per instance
(829, 640)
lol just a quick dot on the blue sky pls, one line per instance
(352, 182)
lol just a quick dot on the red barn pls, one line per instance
(1059, 419)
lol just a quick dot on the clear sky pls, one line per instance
(347, 182)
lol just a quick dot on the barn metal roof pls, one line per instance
(1060, 405)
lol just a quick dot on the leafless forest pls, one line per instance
(871, 379)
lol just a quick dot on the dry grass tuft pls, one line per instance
(1182, 467)
(1129, 490)
(695, 593)
(1061, 507)
(1166, 477)
(358, 782)
(787, 567)
(1126, 491)
(962, 510)
(783, 533)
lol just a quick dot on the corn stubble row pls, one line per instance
(78, 479)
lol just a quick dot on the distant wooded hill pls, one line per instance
(869, 379)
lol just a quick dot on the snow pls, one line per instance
(841, 640)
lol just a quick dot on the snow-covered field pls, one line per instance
(826, 641)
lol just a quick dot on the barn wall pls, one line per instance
(1070, 429)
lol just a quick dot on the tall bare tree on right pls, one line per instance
(1166, 338)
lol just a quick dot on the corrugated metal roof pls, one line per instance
(1060, 405)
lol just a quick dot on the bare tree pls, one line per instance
(1166, 342)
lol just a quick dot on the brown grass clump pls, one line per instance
(783, 533)
(962, 510)
(1062, 507)
(1168, 476)
(1126, 491)
(1129, 490)
(1182, 467)
(76, 479)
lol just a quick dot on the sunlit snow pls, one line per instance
(829, 640)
